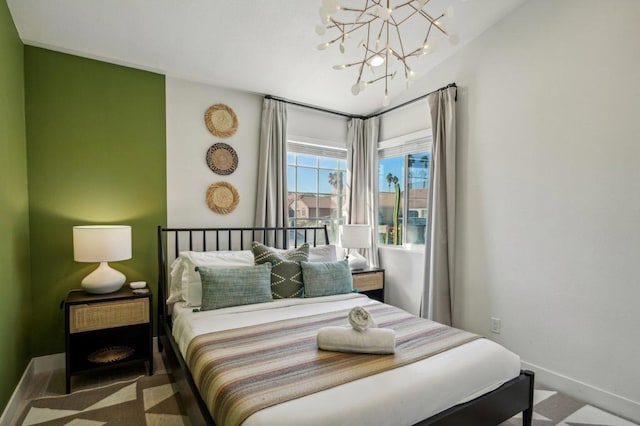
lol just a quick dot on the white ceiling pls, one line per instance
(259, 46)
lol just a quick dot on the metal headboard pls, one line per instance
(171, 241)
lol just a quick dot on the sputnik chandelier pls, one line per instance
(385, 28)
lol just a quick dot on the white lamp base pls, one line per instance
(103, 280)
(357, 261)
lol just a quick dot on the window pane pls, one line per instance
(328, 163)
(315, 187)
(291, 179)
(307, 160)
(291, 158)
(390, 200)
(307, 180)
(331, 182)
(418, 185)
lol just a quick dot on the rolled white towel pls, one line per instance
(360, 319)
(371, 341)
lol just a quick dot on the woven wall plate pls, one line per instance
(221, 120)
(222, 159)
(222, 197)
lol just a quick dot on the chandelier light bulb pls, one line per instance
(323, 46)
(342, 46)
(376, 61)
(339, 67)
(385, 101)
(331, 5)
(355, 89)
(321, 29)
(324, 15)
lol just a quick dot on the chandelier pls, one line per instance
(391, 35)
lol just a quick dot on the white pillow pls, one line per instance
(325, 253)
(185, 281)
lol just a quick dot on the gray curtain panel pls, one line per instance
(271, 201)
(362, 179)
(437, 296)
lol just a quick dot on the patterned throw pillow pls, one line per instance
(234, 286)
(286, 275)
(326, 278)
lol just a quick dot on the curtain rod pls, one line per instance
(416, 100)
(343, 114)
(317, 108)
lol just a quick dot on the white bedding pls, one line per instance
(420, 390)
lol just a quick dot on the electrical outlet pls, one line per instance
(495, 325)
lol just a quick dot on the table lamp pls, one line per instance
(102, 243)
(355, 237)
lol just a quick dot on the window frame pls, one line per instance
(404, 145)
(326, 149)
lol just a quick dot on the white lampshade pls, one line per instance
(102, 243)
(355, 236)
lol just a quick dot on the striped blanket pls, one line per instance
(241, 371)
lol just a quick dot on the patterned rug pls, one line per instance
(146, 400)
(155, 401)
(553, 408)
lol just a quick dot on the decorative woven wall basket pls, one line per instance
(221, 120)
(222, 197)
(222, 159)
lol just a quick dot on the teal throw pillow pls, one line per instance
(326, 278)
(234, 286)
(286, 275)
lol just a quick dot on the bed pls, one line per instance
(474, 382)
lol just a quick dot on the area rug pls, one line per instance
(552, 408)
(146, 400)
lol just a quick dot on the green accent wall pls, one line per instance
(14, 218)
(96, 155)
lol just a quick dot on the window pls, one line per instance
(403, 187)
(315, 186)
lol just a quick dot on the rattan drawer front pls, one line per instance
(96, 316)
(366, 282)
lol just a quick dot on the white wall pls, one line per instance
(548, 225)
(403, 276)
(188, 140)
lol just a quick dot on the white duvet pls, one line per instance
(402, 396)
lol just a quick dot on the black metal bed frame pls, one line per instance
(490, 409)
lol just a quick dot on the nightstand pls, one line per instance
(369, 281)
(105, 331)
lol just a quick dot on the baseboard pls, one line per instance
(605, 400)
(19, 394)
(36, 365)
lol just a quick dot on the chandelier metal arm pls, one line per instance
(402, 56)
(349, 20)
